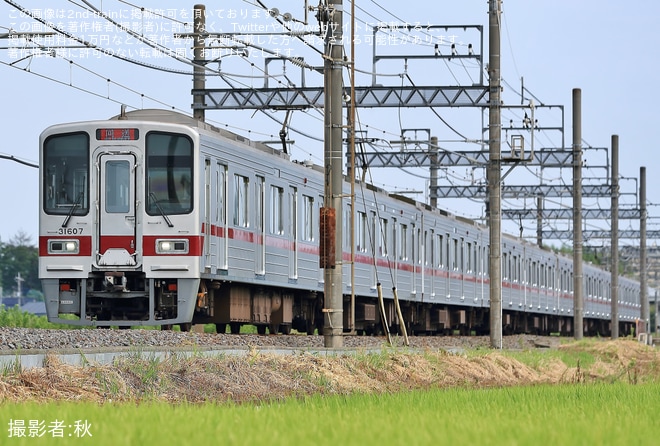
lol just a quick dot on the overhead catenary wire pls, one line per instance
(309, 135)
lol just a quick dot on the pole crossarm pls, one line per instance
(480, 191)
(567, 214)
(365, 97)
(545, 158)
(598, 234)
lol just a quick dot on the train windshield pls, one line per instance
(66, 173)
(169, 173)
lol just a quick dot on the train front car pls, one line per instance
(119, 240)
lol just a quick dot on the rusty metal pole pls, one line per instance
(578, 275)
(614, 270)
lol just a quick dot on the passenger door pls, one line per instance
(117, 239)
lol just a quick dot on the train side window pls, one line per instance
(241, 199)
(467, 256)
(448, 251)
(348, 217)
(414, 254)
(293, 212)
(395, 240)
(169, 167)
(421, 240)
(66, 174)
(440, 251)
(542, 278)
(403, 242)
(308, 218)
(221, 179)
(259, 200)
(429, 253)
(276, 210)
(383, 248)
(551, 277)
(361, 232)
(461, 263)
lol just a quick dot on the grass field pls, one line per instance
(579, 414)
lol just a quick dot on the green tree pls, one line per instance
(19, 255)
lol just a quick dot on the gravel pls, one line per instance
(21, 339)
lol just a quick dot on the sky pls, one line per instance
(609, 50)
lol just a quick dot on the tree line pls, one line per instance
(19, 255)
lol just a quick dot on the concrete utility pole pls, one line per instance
(644, 296)
(433, 171)
(657, 316)
(578, 300)
(494, 173)
(614, 248)
(19, 287)
(539, 221)
(333, 323)
(199, 56)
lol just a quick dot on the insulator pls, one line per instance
(298, 62)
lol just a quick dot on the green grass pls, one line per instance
(603, 414)
(15, 318)
(536, 357)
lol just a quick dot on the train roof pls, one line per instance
(174, 117)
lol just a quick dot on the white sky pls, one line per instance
(608, 49)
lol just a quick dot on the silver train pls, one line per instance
(154, 218)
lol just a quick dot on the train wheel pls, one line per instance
(310, 328)
(166, 327)
(186, 326)
(221, 328)
(261, 329)
(285, 329)
(235, 327)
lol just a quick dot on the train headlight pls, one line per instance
(63, 247)
(171, 246)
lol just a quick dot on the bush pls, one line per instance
(15, 318)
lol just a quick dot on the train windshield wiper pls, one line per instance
(162, 213)
(72, 210)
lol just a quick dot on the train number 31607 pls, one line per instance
(70, 231)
